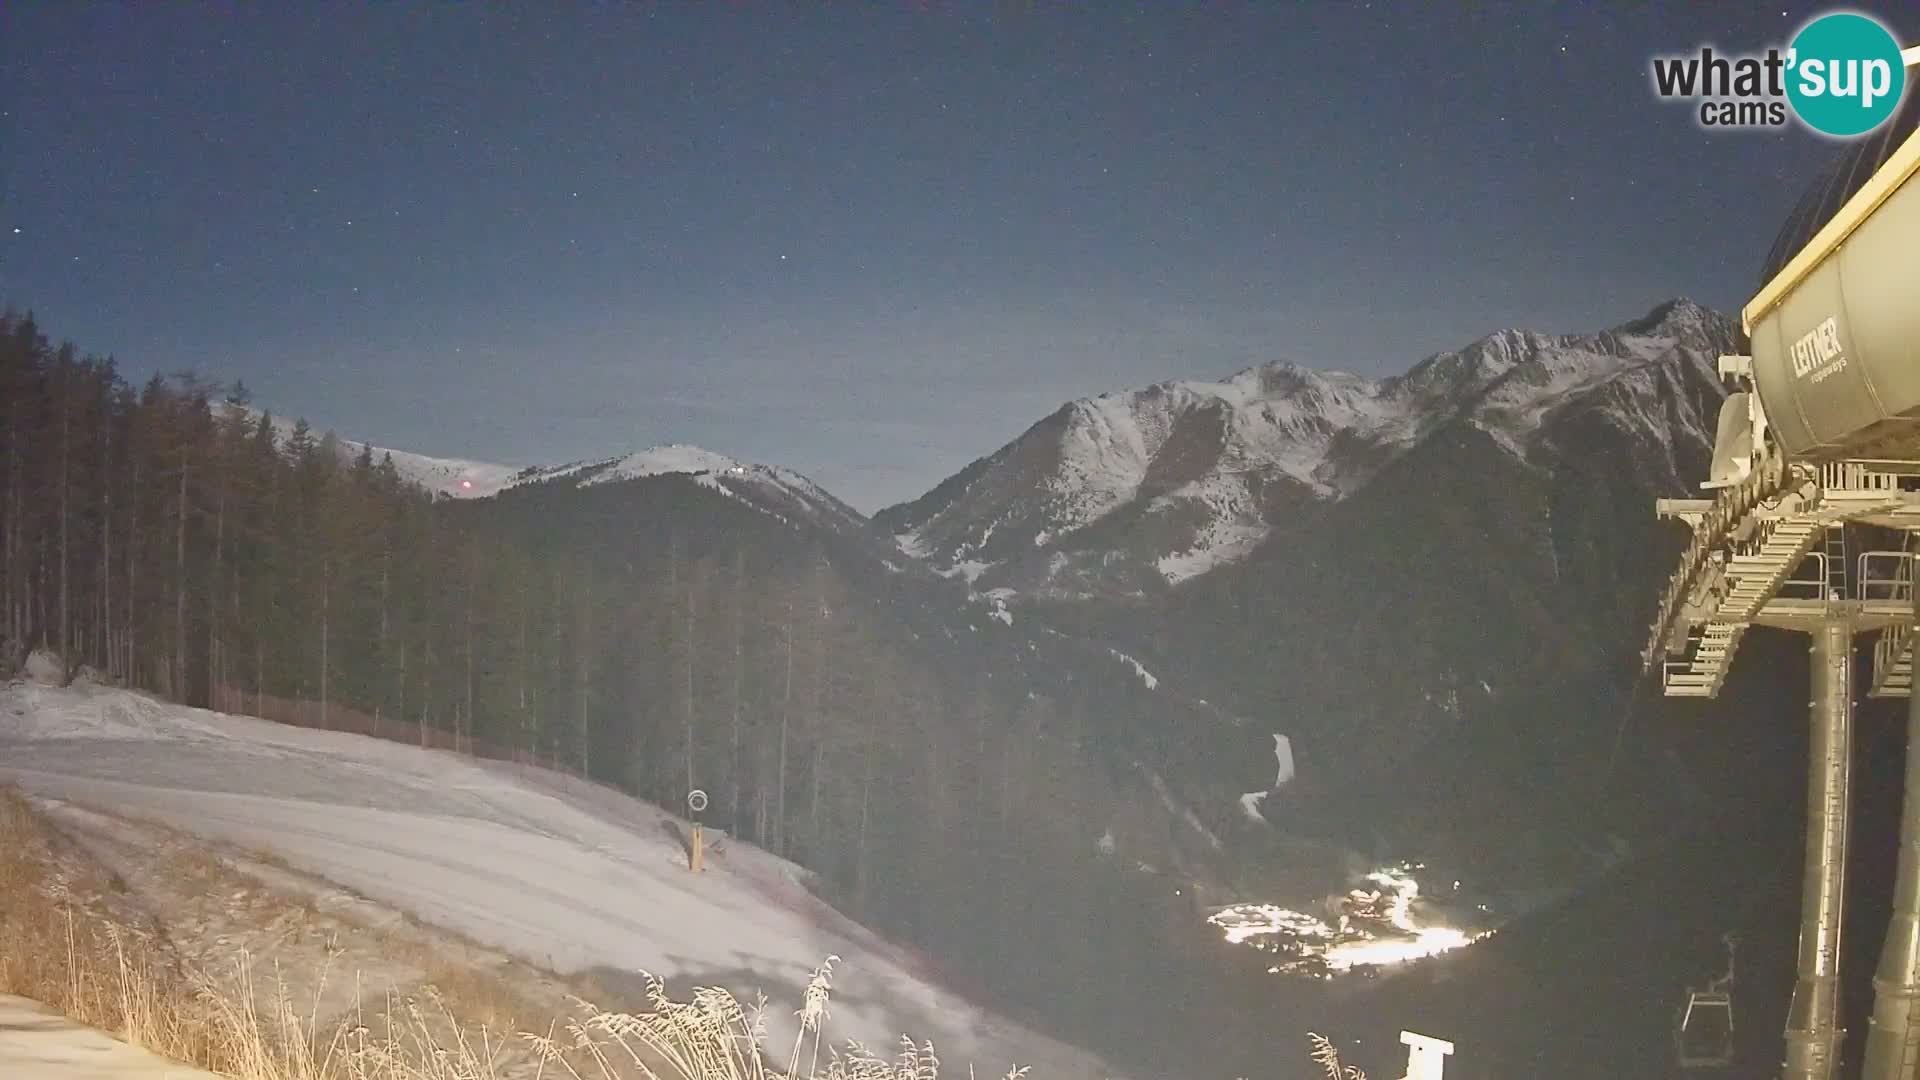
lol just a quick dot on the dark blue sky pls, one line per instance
(871, 242)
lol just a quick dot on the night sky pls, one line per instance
(871, 242)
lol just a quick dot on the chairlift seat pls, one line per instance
(1704, 1036)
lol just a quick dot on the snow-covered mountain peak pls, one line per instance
(1194, 471)
(1679, 316)
(665, 461)
(674, 459)
(779, 492)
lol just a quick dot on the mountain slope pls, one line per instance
(1453, 637)
(1128, 492)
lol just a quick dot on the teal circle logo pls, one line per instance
(1845, 76)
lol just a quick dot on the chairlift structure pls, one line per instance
(1703, 1037)
(1820, 439)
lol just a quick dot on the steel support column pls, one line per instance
(1813, 1022)
(1893, 1034)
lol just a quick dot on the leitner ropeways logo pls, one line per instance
(1843, 75)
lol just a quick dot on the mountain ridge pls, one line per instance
(772, 489)
(1143, 488)
(1172, 479)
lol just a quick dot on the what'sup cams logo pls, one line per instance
(1843, 75)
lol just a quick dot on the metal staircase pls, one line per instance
(1709, 656)
(1893, 652)
(1729, 510)
(1754, 575)
(1893, 664)
(1774, 550)
(1758, 574)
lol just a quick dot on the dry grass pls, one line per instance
(103, 973)
(712, 1037)
(1327, 1056)
(63, 941)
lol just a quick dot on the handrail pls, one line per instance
(1819, 584)
(1898, 586)
(1893, 642)
(1856, 476)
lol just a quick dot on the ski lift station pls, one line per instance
(1806, 524)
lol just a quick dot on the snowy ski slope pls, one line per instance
(557, 871)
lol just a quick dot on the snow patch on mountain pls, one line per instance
(1232, 526)
(1146, 676)
(1283, 774)
(968, 570)
(665, 461)
(1221, 541)
(1179, 810)
(997, 609)
(453, 477)
(1283, 760)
